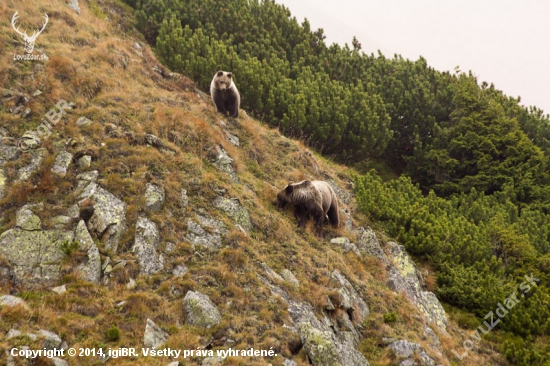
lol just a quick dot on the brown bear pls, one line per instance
(311, 198)
(224, 94)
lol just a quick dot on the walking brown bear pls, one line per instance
(311, 198)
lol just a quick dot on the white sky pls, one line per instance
(503, 42)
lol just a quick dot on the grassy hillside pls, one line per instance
(149, 125)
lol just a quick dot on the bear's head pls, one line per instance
(223, 80)
(286, 195)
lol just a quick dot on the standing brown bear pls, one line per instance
(311, 198)
(224, 94)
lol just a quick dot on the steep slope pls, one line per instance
(151, 216)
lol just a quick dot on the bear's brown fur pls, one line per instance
(311, 198)
(224, 94)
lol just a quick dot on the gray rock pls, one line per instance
(200, 310)
(323, 344)
(61, 163)
(9, 153)
(14, 333)
(290, 278)
(36, 93)
(212, 361)
(234, 140)
(61, 221)
(154, 197)
(432, 338)
(154, 336)
(90, 176)
(35, 256)
(26, 113)
(345, 244)
(345, 217)
(146, 241)
(274, 276)
(184, 198)
(180, 270)
(131, 284)
(175, 363)
(350, 298)
(59, 362)
(108, 222)
(403, 276)
(11, 301)
(59, 289)
(288, 362)
(198, 235)
(408, 350)
(223, 163)
(73, 4)
(27, 220)
(234, 210)
(51, 340)
(84, 162)
(344, 195)
(90, 269)
(83, 121)
(368, 242)
(37, 157)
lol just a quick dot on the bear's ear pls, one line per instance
(230, 75)
(220, 73)
(306, 183)
(289, 189)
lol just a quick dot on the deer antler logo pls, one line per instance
(29, 40)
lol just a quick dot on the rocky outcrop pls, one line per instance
(91, 268)
(406, 352)
(35, 255)
(368, 243)
(154, 336)
(324, 341)
(345, 244)
(233, 209)
(207, 233)
(200, 311)
(223, 161)
(11, 301)
(404, 276)
(37, 156)
(154, 197)
(145, 246)
(61, 163)
(108, 221)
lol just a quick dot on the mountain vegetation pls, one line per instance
(472, 197)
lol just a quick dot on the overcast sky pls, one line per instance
(503, 42)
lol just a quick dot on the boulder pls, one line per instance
(61, 163)
(146, 241)
(154, 197)
(211, 237)
(223, 163)
(404, 276)
(108, 221)
(90, 269)
(200, 310)
(37, 156)
(11, 301)
(233, 209)
(368, 243)
(345, 244)
(154, 336)
(35, 256)
(25, 219)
